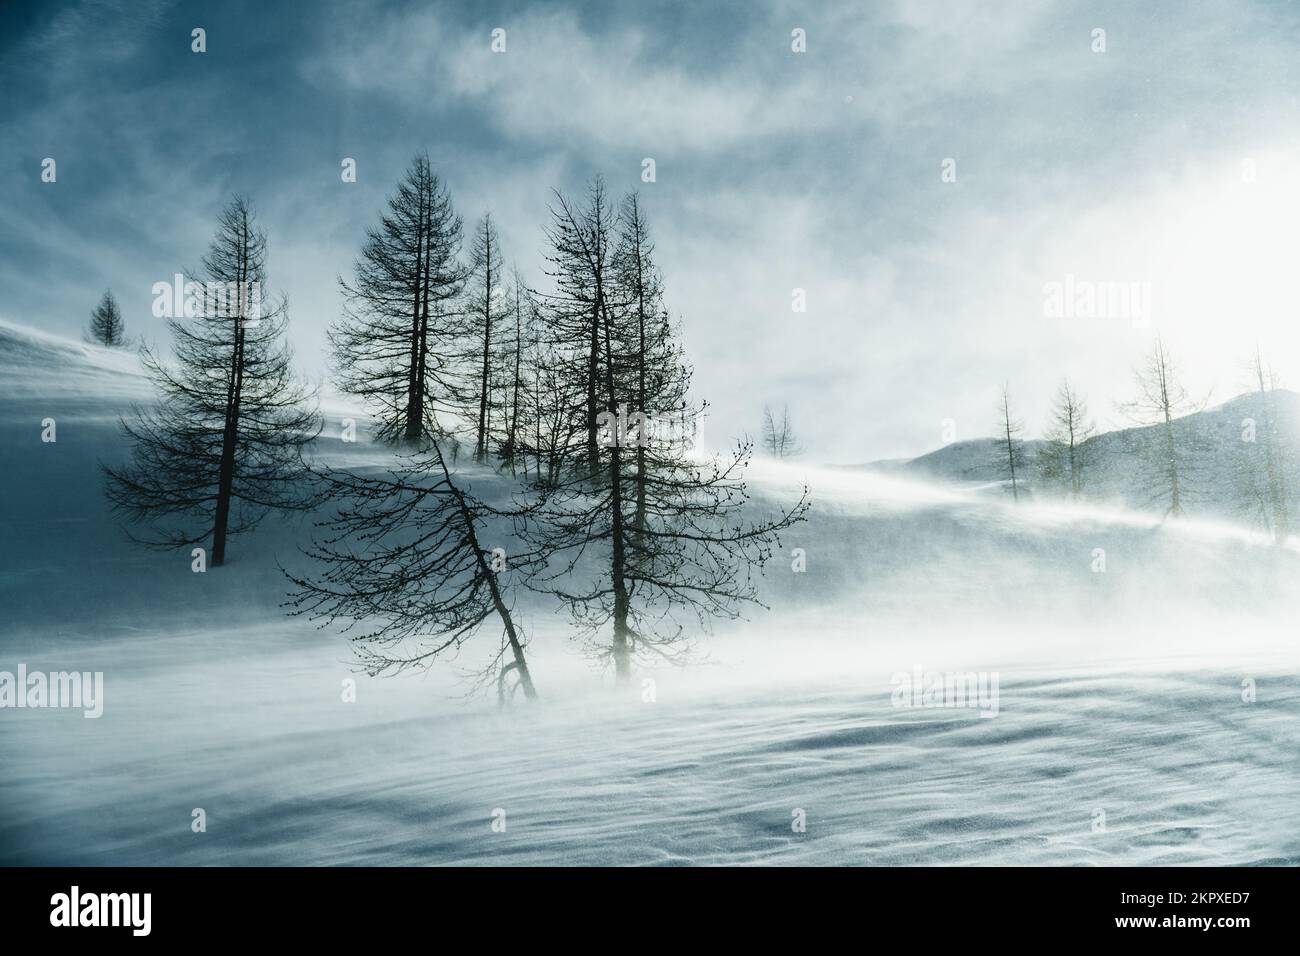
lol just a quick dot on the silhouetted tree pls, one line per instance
(1065, 456)
(397, 344)
(224, 444)
(779, 439)
(1265, 459)
(1011, 447)
(519, 333)
(106, 325)
(639, 541)
(656, 375)
(485, 312)
(1161, 399)
(580, 309)
(404, 557)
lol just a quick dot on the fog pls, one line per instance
(1121, 692)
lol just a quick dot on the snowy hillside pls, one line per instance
(1121, 688)
(38, 366)
(1120, 470)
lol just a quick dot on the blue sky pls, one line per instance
(775, 170)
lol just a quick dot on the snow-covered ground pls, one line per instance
(1121, 733)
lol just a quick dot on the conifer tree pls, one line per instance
(397, 344)
(224, 444)
(106, 325)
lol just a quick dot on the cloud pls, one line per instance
(558, 79)
(776, 170)
(81, 37)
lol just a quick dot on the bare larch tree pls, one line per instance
(1162, 399)
(106, 325)
(485, 313)
(779, 439)
(1010, 459)
(224, 444)
(519, 333)
(577, 312)
(657, 377)
(642, 540)
(397, 342)
(404, 557)
(1266, 459)
(1065, 456)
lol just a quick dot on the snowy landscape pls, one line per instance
(1110, 699)
(565, 434)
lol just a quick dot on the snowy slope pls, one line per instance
(1121, 690)
(1120, 473)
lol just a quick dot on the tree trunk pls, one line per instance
(516, 648)
(521, 664)
(1011, 463)
(230, 432)
(229, 439)
(593, 449)
(639, 518)
(415, 383)
(621, 648)
(480, 448)
(512, 429)
(1175, 497)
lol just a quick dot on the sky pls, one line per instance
(933, 176)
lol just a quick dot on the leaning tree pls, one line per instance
(408, 557)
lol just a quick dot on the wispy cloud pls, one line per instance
(776, 170)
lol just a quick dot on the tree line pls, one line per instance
(1171, 460)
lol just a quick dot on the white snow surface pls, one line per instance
(1120, 691)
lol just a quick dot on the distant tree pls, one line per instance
(397, 344)
(106, 325)
(1011, 447)
(1265, 458)
(224, 444)
(779, 439)
(405, 557)
(1065, 456)
(1161, 399)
